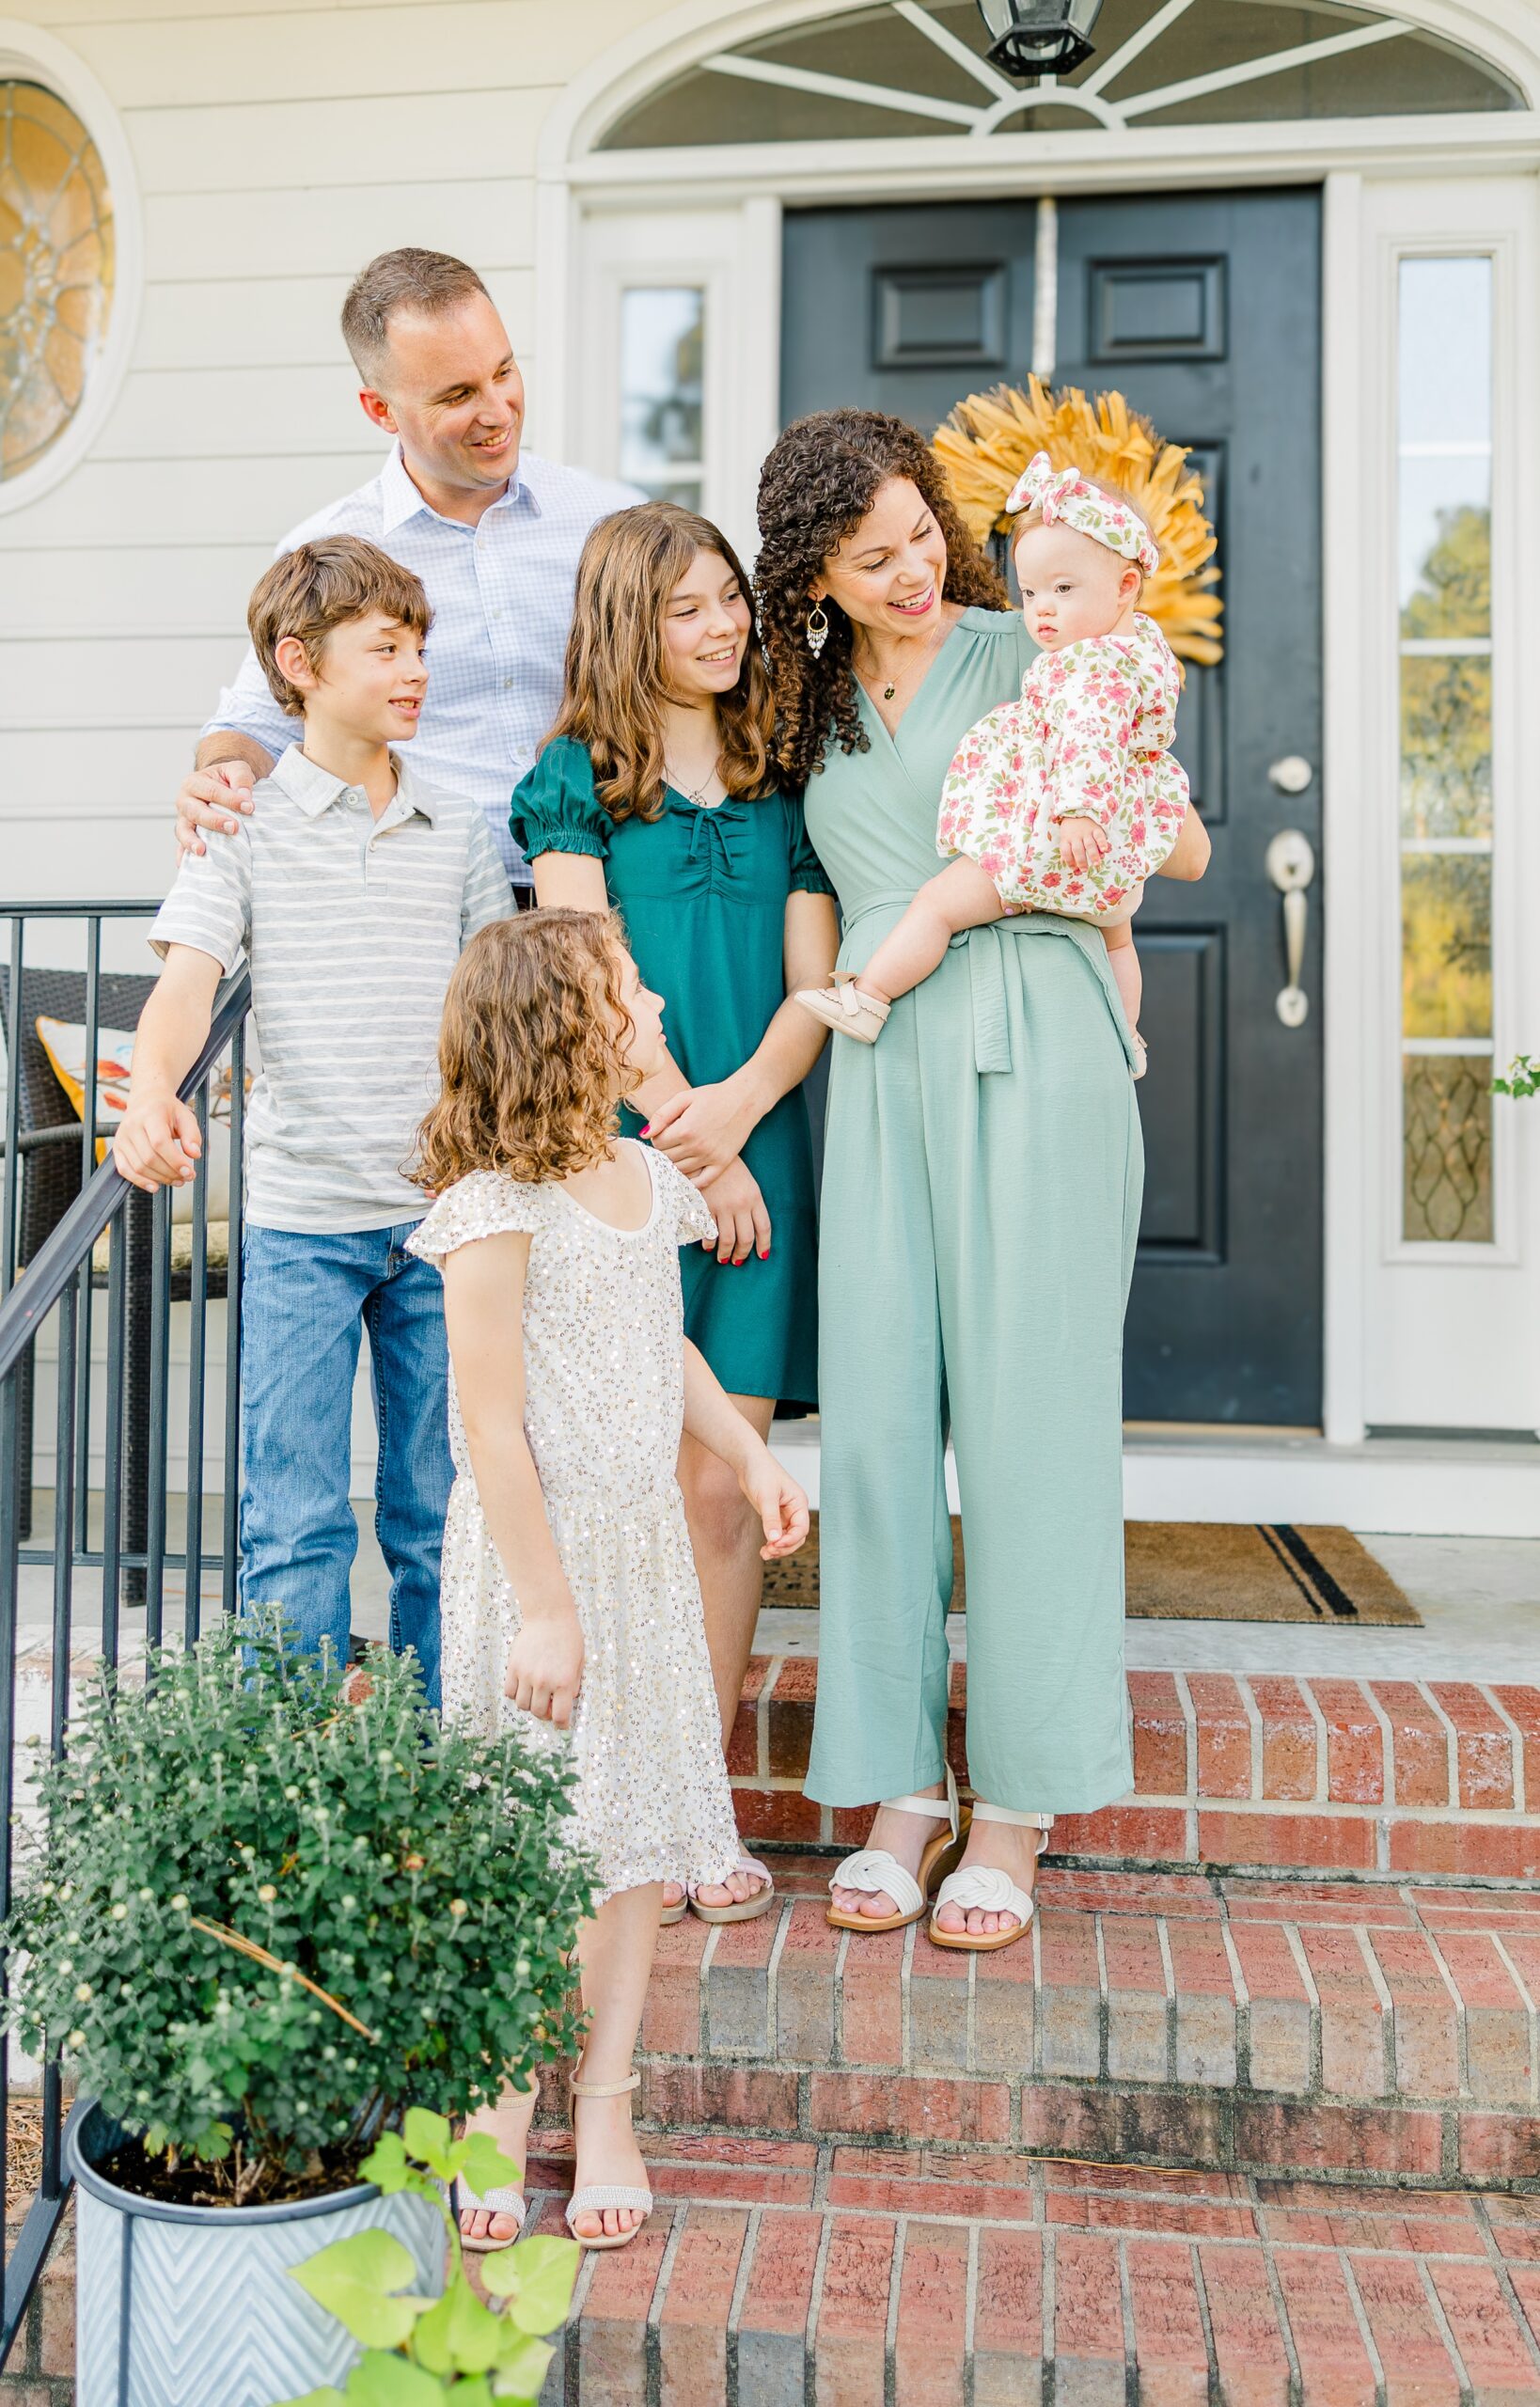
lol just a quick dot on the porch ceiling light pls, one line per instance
(1031, 38)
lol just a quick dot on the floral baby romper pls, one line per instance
(1090, 738)
(604, 1344)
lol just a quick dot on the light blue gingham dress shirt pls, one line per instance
(502, 600)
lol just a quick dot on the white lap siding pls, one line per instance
(276, 149)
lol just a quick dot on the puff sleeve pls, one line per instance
(808, 876)
(683, 1210)
(485, 1205)
(555, 809)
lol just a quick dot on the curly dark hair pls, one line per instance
(816, 486)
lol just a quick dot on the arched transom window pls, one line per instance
(919, 67)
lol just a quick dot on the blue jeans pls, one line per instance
(305, 1299)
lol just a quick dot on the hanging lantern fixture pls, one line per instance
(1032, 38)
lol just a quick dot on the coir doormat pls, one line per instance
(1202, 1571)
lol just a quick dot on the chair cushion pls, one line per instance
(64, 1042)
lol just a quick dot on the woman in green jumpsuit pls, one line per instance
(981, 1198)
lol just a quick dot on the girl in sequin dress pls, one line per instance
(569, 1597)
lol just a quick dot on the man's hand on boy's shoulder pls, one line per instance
(210, 797)
(157, 1143)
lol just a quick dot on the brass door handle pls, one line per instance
(1291, 867)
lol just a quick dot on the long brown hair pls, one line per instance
(615, 685)
(817, 484)
(531, 1052)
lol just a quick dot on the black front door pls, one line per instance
(1204, 309)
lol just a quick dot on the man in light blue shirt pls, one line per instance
(494, 537)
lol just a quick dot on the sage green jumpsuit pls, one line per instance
(982, 1181)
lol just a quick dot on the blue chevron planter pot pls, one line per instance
(192, 2307)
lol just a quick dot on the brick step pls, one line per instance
(776, 2272)
(1438, 1778)
(1367, 2029)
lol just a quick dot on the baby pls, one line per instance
(1068, 799)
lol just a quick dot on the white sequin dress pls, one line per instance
(604, 1346)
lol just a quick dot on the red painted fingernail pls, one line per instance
(648, 1130)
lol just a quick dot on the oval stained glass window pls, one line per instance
(56, 270)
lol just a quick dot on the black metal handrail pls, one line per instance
(56, 1283)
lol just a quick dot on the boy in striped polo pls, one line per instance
(351, 890)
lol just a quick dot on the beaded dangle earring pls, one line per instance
(818, 629)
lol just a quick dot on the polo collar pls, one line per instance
(401, 500)
(313, 789)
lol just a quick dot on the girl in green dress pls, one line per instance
(982, 1181)
(656, 794)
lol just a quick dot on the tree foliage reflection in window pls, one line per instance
(56, 269)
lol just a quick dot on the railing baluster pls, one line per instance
(231, 1549)
(65, 1483)
(160, 1407)
(197, 1338)
(64, 1498)
(10, 1192)
(112, 1471)
(88, 1171)
(11, 1506)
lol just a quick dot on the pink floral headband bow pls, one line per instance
(1064, 496)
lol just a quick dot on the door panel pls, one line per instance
(1204, 309)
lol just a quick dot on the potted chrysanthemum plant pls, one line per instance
(266, 1908)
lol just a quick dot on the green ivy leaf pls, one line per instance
(486, 2168)
(352, 2280)
(430, 2344)
(427, 2137)
(538, 2276)
(475, 2391)
(520, 2369)
(379, 2381)
(474, 2333)
(327, 2398)
(386, 2163)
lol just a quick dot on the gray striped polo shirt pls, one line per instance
(353, 925)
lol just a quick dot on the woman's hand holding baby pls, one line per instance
(1082, 843)
(545, 1664)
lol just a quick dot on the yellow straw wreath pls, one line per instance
(989, 438)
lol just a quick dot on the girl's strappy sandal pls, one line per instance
(501, 2201)
(677, 1911)
(602, 2196)
(842, 1005)
(747, 1908)
(991, 1891)
(873, 1869)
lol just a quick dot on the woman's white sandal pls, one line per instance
(842, 1006)
(874, 1871)
(744, 1909)
(983, 1887)
(677, 1911)
(602, 2197)
(501, 2201)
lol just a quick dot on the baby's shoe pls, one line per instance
(842, 1006)
(1141, 1055)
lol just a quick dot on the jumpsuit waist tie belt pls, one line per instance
(987, 974)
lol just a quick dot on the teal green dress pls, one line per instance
(703, 894)
(981, 1181)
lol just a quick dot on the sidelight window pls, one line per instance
(1444, 530)
(663, 332)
